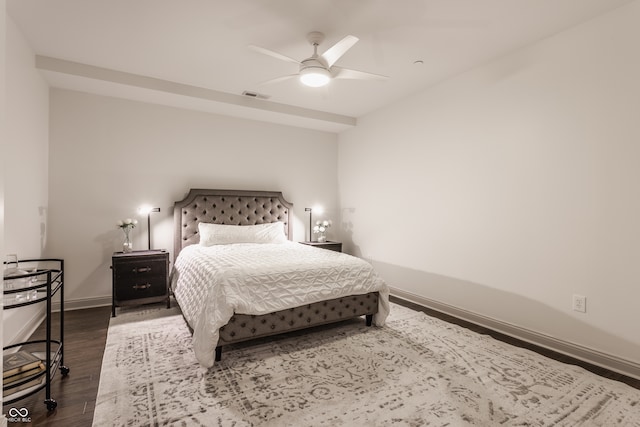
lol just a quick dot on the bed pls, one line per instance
(246, 289)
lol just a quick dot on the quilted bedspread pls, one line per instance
(212, 283)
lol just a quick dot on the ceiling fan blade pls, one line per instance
(279, 79)
(346, 73)
(273, 54)
(337, 50)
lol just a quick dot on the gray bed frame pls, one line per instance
(241, 207)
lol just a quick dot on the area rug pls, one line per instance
(415, 371)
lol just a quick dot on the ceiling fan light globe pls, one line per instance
(315, 77)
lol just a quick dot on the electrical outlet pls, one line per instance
(580, 303)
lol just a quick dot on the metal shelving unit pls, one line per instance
(34, 286)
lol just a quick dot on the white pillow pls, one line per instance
(220, 234)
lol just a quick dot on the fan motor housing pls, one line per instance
(313, 63)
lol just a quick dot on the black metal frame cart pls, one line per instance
(28, 286)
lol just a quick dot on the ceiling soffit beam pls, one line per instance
(120, 77)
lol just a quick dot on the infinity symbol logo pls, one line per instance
(22, 412)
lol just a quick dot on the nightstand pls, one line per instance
(139, 277)
(332, 246)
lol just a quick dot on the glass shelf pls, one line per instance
(30, 287)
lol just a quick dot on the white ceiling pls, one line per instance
(193, 53)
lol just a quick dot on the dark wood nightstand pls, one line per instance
(332, 246)
(139, 277)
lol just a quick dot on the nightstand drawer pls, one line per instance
(137, 268)
(141, 287)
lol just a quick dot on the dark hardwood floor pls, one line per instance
(84, 343)
(85, 339)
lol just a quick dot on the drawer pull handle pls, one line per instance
(144, 286)
(142, 269)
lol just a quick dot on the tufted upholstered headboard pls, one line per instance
(231, 207)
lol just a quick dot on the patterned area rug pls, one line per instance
(416, 371)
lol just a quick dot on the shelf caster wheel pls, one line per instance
(51, 404)
(64, 370)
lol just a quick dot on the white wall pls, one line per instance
(109, 156)
(507, 189)
(25, 168)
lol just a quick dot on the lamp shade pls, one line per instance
(315, 76)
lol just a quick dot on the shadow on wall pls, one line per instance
(346, 235)
(99, 279)
(513, 314)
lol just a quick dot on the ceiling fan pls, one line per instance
(318, 70)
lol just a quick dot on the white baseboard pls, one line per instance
(82, 303)
(577, 351)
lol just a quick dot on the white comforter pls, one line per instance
(212, 283)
